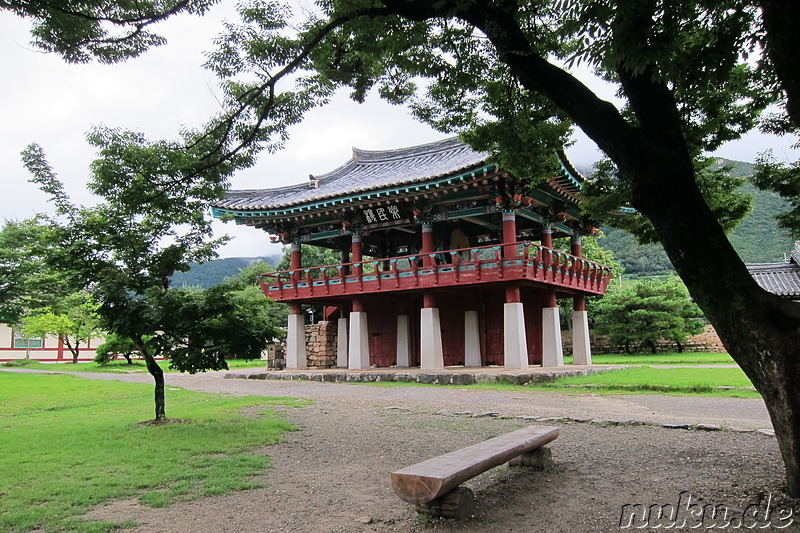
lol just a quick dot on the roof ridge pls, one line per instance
(379, 156)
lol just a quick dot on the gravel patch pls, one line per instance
(333, 474)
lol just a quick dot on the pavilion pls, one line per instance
(446, 259)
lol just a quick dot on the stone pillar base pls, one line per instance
(472, 339)
(552, 349)
(515, 345)
(358, 347)
(581, 346)
(430, 333)
(403, 341)
(341, 343)
(296, 342)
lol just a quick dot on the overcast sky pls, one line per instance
(43, 100)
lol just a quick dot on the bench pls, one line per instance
(432, 486)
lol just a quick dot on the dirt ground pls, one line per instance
(333, 474)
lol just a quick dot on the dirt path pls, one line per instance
(332, 475)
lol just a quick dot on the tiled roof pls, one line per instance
(782, 279)
(366, 170)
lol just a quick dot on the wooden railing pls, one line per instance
(483, 264)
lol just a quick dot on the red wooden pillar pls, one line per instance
(60, 356)
(428, 299)
(356, 250)
(547, 242)
(509, 232)
(576, 248)
(547, 236)
(296, 258)
(512, 293)
(296, 261)
(581, 344)
(428, 247)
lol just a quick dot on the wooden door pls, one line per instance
(382, 325)
(451, 319)
(492, 313)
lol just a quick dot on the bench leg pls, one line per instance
(538, 459)
(458, 504)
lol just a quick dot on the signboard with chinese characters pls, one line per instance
(383, 214)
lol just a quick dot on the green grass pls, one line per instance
(69, 444)
(635, 380)
(674, 381)
(672, 358)
(115, 367)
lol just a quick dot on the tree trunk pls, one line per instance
(127, 357)
(158, 377)
(680, 346)
(74, 351)
(781, 20)
(761, 331)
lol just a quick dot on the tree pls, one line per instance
(126, 247)
(591, 249)
(73, 320)
(82, 30)
(692, 75)
(647, 312)
(26, 282)
(115, 345)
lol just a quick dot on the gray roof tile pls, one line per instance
(782, 279)
(366, 170)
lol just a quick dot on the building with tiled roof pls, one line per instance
(782, 278)
(446, 259)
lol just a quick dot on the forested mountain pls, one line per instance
(758, 239)
(209, 274)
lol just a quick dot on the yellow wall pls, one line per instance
(48, 352)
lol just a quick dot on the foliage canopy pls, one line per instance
(648, 312)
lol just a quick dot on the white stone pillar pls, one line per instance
(341, 343)
(552, 350)
(472, 339)
(581, 347)
(403, 341)
(296, 342)
(358, 346)
(430, 336)
(515, 345)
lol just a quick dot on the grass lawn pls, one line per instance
(71, 443)
(668, 358)
(116, 367)
(674, 381)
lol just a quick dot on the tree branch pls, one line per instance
(782, 20)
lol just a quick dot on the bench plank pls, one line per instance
(420, 483)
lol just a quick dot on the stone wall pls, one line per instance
(321, 344)
(707, 341)
(275, 355)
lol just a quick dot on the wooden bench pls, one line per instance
(432, 486)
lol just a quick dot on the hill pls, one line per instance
(214, 272)
(758, 239)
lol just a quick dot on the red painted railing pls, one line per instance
(520, 261)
